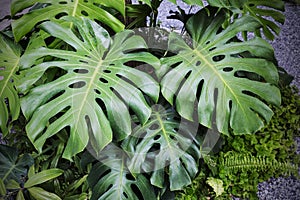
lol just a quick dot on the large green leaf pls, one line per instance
(96, 81)
(12, 166)
(266, 12)
(164, 144)
(212, 72)
(53, 10)
(10, 54)
(110, 178)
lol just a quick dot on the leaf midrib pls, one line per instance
(208, 63)
(92, 79)
(161, 124)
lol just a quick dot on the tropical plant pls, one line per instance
(73, 81)
(244, 161)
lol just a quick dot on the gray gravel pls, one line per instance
(287, 45)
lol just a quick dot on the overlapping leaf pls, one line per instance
(266, 12)
(111, 179)
(214, 75)
(53, 10)
(92, 96)
(164, 144)
(12, 166)
(9, 59)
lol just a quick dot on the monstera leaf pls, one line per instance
(111, 179)
(93, 93)
(164, 144)
(9, 60)
(53, 10)
(263, 11)
(213, 75)
(12, 166)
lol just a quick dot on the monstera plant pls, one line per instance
(73, 80)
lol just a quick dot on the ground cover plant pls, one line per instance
(94, 105)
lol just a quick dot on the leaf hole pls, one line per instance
(103, 80)
(106, 71)
(227, 69)
(207, 42)
(198, 63)
(109, 187)
(157, 137)
(79, 84)
(154, 127)
(84, 13)
(137, 191)
(97, 91)
(125, 195)
(102, 105)
(127, 80)
(249, 75)
(181, 84)
(59, 15)
(146, 68)
(172, 137)
(130, 177)
(84, 61)
(55, 96)
(199, 89)
(218, 58)
(211, 49)
(81, 71)
(49, 40)
(63, 2)
(58, 115)
(230, 104)
(155, 147)
(178, 63)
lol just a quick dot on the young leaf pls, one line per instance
(20, 195)
(13, 185)
(213, 73)
(2, 188)
(216, 184)
(41, 194)
(164, 142)
(42, 177)
(53, 10)
(96, 81)
(10, 54)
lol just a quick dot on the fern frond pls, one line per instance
(245, 162)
